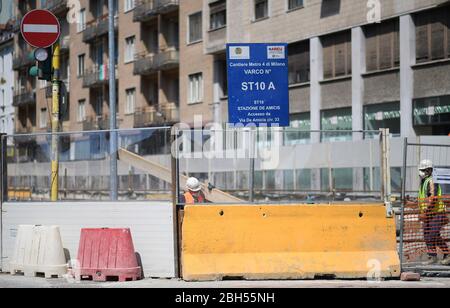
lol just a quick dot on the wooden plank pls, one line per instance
(163, 173)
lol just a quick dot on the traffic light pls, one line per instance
(43, 70)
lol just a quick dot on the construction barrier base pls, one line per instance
(107, 254)
(38, 250)
(288, 242)
(122, 275)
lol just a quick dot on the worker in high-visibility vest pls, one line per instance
(432, 214)
(194, 193)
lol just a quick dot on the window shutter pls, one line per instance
(396, 44)
(437, 35)
(371, 49)
(340, 56)
(386, 42)
(328, 61)
(447, 26)
(421, 38)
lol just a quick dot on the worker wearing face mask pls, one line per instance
(432, 214)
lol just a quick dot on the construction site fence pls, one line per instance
(425, 231)
(254, 165)
(424, 223)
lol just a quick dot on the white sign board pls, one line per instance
(441, 175)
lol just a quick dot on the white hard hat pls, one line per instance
(426, 164)
(193, 184)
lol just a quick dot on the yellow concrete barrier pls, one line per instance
(288, 242)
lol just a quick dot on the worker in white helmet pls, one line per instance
(432, 213)
(194, 193)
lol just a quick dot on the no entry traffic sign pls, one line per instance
(40, 28)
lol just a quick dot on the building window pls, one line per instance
(432, 111)
(294, 4)
(385, 115)
(261, 9)
(81, 65)
(298, 132)
(131, 101)
(195, 27)
(218, 15)
(81, 113)
(43, 118)
(299, 62)
(129, 49)
(196, 88)
(433, 35)
(81, 24)
(129, 5)
(382, 46)
(337, 55)
(336, 120)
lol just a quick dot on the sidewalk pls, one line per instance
(7, 281)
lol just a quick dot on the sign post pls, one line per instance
(258, 85)
(41, 29)
(258, 91)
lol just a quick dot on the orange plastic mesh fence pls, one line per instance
(426, 229)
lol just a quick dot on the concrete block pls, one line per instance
(410, 276)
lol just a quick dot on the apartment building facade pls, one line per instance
(352, 64)
(6, 78)
(146, 66)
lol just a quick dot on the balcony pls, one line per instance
(64, 43)
(96, 78)
(145, 10)
(216, 40)
(167, 60)
(55, 6)
(24, 129)
(24, 97)
(98, 123)
(148, 117)
(97, 28)
(147, 64)
(144, 64)
(23, 60)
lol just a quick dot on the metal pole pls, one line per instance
(112, 103)
(4, 195)
(403, 200)
(251, 178)
(176, 211)
(56, 64)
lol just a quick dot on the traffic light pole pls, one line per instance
(56, 63)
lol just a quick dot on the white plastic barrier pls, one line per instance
(38, 249)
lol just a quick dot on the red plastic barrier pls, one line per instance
(107, 254)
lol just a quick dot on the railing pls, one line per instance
(65, 44)
(216, 40)
(22, 60)
(24, 97)
(147, 9)
(149, 118)
(97, 28)
(24, 129)
(167, 59)
(96, 78)
(146, 64)
(55, 6)
(98, 123)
